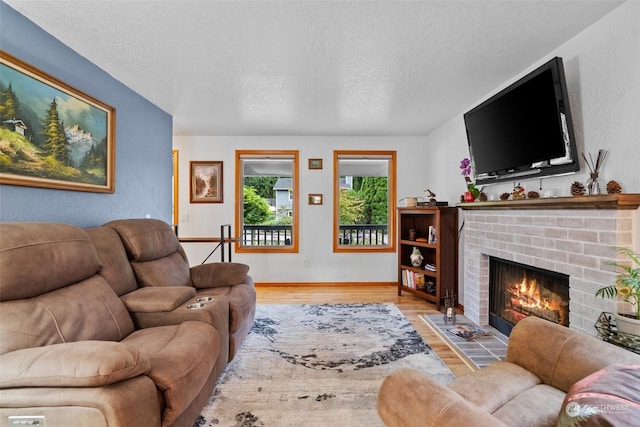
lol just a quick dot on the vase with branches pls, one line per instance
(593, 183)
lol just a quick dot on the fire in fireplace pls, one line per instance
(518, 291)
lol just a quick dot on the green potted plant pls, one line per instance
(627, 290)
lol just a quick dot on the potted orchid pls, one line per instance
(472, 192)
(627, 290)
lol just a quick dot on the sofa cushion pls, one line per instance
(535, 407)
(115, 264)
(88, 310)
(75, 364)
(608, 397)
(157, 299)
(146, 239)
(171, 270)
(182, 359)
(493, 386)
(41, 257)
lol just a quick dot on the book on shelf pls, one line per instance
(413, 280)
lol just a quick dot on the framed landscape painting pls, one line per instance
(52, 135)
(205, 185)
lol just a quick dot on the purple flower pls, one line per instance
(465, 166)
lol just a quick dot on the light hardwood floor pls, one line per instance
(410, 306)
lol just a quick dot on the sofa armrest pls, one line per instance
(74, 364)
(410, 398)
(560, 356)
(154, 299)
(218, 274)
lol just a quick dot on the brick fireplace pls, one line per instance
(573, 236)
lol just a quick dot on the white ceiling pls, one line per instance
(313, 67)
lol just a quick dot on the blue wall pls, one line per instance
(143, 139)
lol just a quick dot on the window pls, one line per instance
(364, 201)
(267, 185)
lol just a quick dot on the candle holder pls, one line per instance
(449, 308)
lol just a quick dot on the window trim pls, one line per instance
(239, 202)
(391, 222)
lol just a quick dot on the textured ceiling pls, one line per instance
(313, 67)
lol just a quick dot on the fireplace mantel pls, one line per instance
(606, 201)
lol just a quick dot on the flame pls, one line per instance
(526, 294)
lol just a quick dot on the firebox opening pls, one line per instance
(517, 291)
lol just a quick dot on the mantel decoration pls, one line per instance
(593, 184)
(627, 291)
(52, 135)
(472, 192)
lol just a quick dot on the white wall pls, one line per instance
(602, 67)
(315, 221)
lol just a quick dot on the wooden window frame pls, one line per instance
(391, 222)
(239, 202)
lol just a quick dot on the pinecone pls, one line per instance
(577, 188)
(613, 187)
(504, 196)
(533, 194)
(483, 197)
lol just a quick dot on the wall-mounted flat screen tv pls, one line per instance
(525, 130)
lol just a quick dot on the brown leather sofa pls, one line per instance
(85, 341)
(527, 389)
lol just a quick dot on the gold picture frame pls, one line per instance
(175, 188)
(51, 134)
(205, 183)
(315, 199)
(315, 163)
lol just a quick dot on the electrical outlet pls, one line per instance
(147, 216)
(26, 420)
(306, 263)
(185, 217)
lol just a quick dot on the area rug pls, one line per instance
(317, 365)
(475, 353)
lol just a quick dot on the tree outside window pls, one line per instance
(267, 218)
(364, 196)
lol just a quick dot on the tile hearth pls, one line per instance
(481, 351)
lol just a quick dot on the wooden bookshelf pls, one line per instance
(441, 254)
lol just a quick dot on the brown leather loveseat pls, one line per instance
(530, 388)
(86, 341)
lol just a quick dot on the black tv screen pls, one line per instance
(524, 130)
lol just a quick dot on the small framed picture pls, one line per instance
(205, 185)
(315, 199)
(315, 163)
